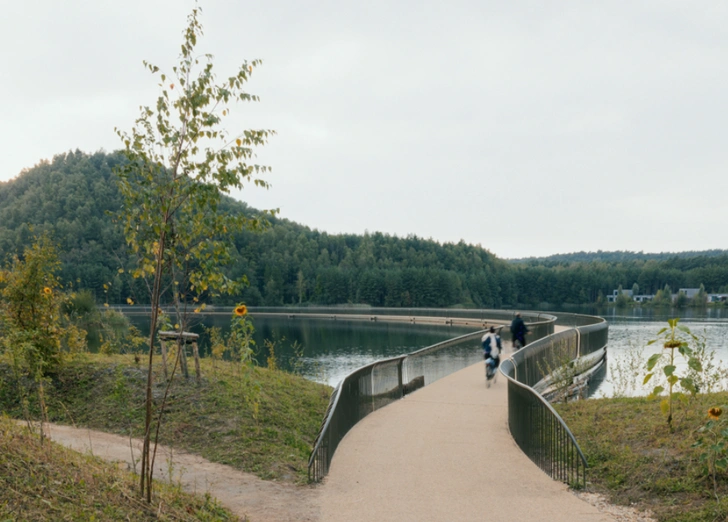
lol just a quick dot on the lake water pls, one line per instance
(329, 349)
(631, 329)
(332, 349)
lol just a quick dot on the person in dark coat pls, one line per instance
(518, 331)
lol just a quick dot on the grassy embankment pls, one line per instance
(51, 483)
(253, 419)
(634, 458)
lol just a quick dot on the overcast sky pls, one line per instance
(529, 127)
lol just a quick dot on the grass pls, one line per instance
(49, 483)
(256, 420)
(635, 459)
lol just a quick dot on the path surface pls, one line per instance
(444, 453)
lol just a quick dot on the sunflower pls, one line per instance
(47, 290)
(129, 301)
(241, 310)
(715, 413)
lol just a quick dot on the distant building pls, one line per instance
(613, 296)
(690, 293)
(643, 298)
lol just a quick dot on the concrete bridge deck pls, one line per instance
(444, 453)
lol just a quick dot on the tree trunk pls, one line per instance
(146, 474)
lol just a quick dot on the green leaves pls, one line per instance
(30, 310)
(652, 361)
(181, 163)
(712, 438)
(673, 337)
(695, 364)
(689, 385)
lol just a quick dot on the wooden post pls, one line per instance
(164, 356)
(196, 353)
(182, 345)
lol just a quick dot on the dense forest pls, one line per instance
(617, 256)
(74, 198)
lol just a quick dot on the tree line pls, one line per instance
(75, 197)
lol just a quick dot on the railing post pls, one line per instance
(400, 365)
(578, 342)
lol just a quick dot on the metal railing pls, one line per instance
(378, 384)
(375, 385)
(543, 436)
(535, 426)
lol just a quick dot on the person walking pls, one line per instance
(518, 331)
(491, 342)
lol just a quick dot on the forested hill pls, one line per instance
(75, 195)
(619, 256)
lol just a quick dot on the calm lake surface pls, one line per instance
(630, 330)
(332, 349)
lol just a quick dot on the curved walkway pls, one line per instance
(444, 453)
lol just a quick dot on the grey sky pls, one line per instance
(528, 127)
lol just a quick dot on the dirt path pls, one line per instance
(243, 493)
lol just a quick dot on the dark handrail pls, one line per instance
(377, 384)
(536, 427)
(542, 434)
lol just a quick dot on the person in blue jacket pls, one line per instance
(490, 342)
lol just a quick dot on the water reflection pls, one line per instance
(331, 348)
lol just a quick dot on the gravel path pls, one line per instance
(243, 493)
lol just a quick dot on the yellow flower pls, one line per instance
(129, 300)
(715, 413)
(47, 291)
(241, 310)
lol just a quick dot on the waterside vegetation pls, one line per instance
(255, 419)
(678, 469)
(636, 459)
(44, 481)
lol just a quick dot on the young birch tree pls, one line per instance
(181, 163)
